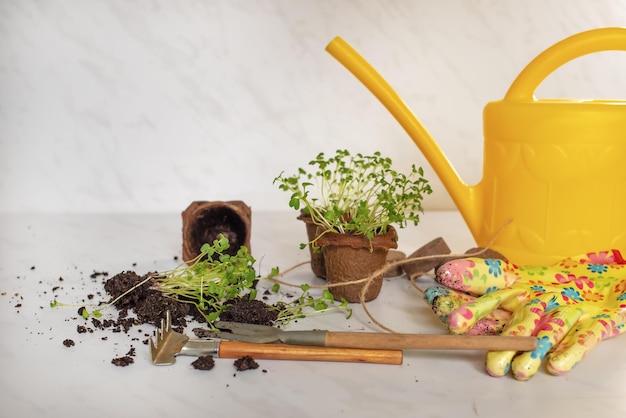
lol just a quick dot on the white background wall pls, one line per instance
(145, 106)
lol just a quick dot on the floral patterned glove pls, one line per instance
(570, 307)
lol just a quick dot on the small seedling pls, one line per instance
(306, 305)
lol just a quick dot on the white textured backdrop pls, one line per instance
(145, 106)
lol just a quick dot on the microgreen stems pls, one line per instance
(306, 305)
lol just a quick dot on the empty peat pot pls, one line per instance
(204, 221)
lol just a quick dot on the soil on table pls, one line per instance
(246, 363)
(203, 363)
(149, 306)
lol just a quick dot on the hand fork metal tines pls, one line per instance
(168, 344)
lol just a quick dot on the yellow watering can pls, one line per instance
(554, 168)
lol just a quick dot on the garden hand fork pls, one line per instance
(170, 344)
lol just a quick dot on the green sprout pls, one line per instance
(97, 313)
(306, 305)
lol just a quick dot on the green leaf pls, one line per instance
(320, 305)
(294, 202)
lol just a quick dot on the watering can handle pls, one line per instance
(595, 40)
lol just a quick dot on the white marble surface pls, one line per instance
(144, 106)
(41, 377)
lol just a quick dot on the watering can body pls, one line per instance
(552, 177)
(554, 168)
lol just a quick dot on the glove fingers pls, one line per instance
(443, 300)
(476, 275)
(465, 317)
(553, 327)
(576, 345)
(492, 324)
(524, 322)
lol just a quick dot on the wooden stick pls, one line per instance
(398, 341)
(233, 349)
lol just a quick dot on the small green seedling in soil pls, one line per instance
(208, 281)
(306, 305)
(211, 279)
(214, 277)
(97, 313)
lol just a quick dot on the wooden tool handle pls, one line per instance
(391, 341)
(233, 349)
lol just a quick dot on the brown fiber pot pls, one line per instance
(350, 257)
(317, 258)
(204, 221)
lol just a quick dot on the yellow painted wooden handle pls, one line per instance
(430, 341)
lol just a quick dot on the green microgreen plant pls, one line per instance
(306, 305)
(211, 279)
(214, 278)
(356, 194)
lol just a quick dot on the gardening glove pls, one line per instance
(570, 307)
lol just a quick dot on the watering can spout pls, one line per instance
(465, 197)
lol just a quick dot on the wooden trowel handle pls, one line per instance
(391, 341)
(233, 349)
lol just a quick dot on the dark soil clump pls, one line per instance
(246, 363)
(146, 301)
(123, 361)
(150, 305)
(126, 360)
(249, 312)
(204, 363)
(68, 343)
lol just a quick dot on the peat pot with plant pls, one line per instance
(351, 203)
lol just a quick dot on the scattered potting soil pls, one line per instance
(246, 363)
(204, 363)
(145, 304)
(148, 303)
(123, 361)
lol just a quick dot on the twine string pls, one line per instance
(371, 277)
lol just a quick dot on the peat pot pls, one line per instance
(204, 221)
(352, 257)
